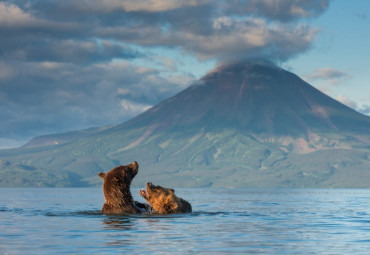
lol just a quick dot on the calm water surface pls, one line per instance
(224, 221)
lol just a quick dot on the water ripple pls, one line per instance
(224, 221)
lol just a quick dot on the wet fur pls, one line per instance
(116, 188)
(164, 200)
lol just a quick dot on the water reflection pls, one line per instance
(119, 222)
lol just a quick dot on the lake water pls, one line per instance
(224, 221)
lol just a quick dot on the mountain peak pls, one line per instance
(246, 67)
(255, 96)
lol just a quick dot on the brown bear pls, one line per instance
(116, 188)
(164, 200)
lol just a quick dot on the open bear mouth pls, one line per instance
(143, 193)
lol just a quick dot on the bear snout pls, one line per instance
(135, 166)
(143, 193)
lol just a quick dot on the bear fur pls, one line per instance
(116, 188)
(164, 200)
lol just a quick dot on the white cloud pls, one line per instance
(284, 11)
(365, 109)
(327, 73)
(330, 76)
(133, 108)
(108, 6)
(65, 64)
(75, 97)
(234, 39)
(222, 22)
(158, 6)
(52, 65)
(12, 15)
(207, 29)
(347, 101)
(168, 63)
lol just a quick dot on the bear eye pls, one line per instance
(115, 179)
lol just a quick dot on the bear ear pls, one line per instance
(101, 175)
(172, 190)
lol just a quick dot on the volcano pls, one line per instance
(246, 124)
(256, 97)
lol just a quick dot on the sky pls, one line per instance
(70, 65)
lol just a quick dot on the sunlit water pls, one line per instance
(224, 221)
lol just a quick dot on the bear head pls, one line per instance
(163, 200)
(116, 186)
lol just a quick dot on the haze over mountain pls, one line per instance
(249, 124)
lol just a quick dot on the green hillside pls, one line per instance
(219, 159)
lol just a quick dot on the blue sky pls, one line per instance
(342, 45)
(69, 65)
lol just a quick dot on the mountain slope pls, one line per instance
(248, 124)
(257, 97)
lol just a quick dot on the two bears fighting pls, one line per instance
(118, 198)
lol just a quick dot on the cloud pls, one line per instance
(348, 102)
(250, 39)
(329, 75)
(206, 29)
(168, 63)
(158, 6)
(108, 6)
(327, 79)
(69, 96)
(365, 109)
(69, 64)
(283, 11)
(223, 29)
(87, 51)
(12, 15)
(133, 107)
